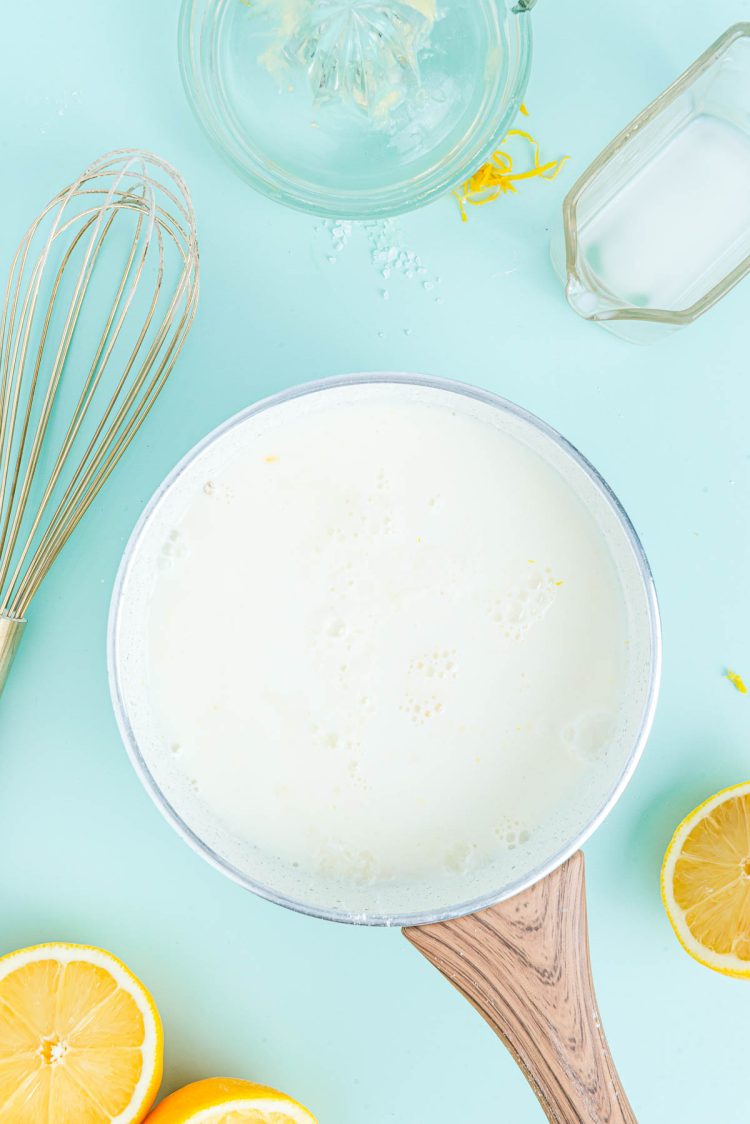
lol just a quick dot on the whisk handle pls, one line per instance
(11, 631)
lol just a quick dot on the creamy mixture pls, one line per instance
(383, 638)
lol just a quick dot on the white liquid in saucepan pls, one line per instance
(384, 640)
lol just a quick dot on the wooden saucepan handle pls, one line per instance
(524, 964)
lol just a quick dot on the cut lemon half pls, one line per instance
(80, 1038)
(224, 1100)
(705, 882)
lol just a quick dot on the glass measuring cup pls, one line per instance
(657, 230)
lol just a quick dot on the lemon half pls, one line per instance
(705, 882)
(80, 1038)
(224, 1100)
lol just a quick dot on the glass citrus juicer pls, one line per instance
(355, 108)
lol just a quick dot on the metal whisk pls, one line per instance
(100, 297)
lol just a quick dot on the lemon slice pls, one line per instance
(80, 1038)
(223, 1100)
(705, 882)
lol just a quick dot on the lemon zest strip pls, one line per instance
(496, 177)
(736, 680)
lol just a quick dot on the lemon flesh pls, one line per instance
(225, 1100)
(706, 882)
(80, 1038)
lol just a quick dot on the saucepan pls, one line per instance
(514, 943)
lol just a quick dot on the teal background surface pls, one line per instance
(354, 1022)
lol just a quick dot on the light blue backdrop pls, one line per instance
(354, 1022)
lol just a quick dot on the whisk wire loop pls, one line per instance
(75, 386)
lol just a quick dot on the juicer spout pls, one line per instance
(11, 631)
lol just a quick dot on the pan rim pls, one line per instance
(421, 917)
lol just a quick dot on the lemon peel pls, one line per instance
(736, 680)
(705, 882)
(497, 176)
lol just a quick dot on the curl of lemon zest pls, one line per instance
(736, 680)
(496, 177)
(524, 110)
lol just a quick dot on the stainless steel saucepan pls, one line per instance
(515, 946)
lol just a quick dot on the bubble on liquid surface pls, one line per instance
(461, 858)
(518, 609)
(423, 709)
(511, 833)
(588, 736)
(340, 861)
(440, 663)
(216, 490)
(172, 551)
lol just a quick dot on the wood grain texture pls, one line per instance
(524, 964)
